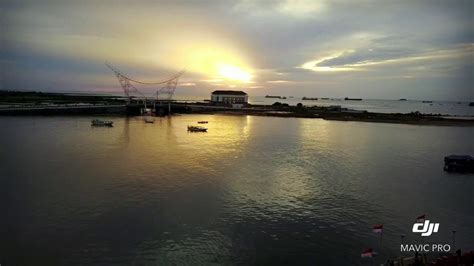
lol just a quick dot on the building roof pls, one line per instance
(228, 92)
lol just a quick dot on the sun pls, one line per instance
(234, 73)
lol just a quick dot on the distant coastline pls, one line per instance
(40, 103)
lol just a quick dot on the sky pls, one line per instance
(378, 49)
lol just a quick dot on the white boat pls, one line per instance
(101, 123)
(149, 119)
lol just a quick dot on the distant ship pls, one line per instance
(403, 99)
(352, 99)
(427, 101)
(309, 99)
(275, 96)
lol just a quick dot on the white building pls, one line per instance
(229, 97)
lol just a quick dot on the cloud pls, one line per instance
(277, 81)
(187, 84)
(301, 8)
(318, 46)
(295, 9)
(353, 60)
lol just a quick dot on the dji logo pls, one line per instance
(426, 229)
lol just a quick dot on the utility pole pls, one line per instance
(128, 87)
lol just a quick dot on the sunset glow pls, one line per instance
(234, 73)
(249, 132)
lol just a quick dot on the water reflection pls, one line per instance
(253, 190)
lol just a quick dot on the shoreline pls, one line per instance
(50, 104)
(423, 121)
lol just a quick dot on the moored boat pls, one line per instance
(149, 119)
(203, 122)
(102, 123)
(459, 163)
(196, 129)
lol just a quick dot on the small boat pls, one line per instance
(202, 122)
(309, 99)
(101, 123)
(459, 163)
(196, 129)
(149, 119)
(402, 99)
(427, 101)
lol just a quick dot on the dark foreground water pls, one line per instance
(253, 190)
